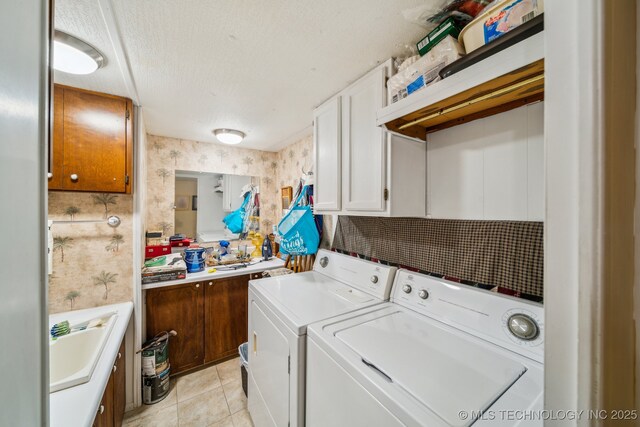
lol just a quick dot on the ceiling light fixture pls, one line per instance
(229, 136)
(74, 56)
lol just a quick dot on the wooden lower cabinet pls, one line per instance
(210, 318)
(179, 308)
(225, 317)
(119, 387)
(111, 409)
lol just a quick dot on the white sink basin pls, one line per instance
(73, 357)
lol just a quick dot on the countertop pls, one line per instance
(77, 406)
(221, 272)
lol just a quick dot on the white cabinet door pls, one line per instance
(364, 144)
(491, 169)
(326, 143)
(233, 184)
(226, 193)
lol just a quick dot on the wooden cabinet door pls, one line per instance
(104, 417)
(179, 308)
(327, 156)
(119, 387)
(57, 148)
(364, 144)
(225, 316)
(93, 141)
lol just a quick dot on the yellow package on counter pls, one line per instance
(424, 71)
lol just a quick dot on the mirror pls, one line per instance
(203, 199)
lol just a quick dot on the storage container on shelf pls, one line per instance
(423, 71)
(497, 19)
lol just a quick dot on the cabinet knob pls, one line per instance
(74, 177)
(115, 368)
(119, 356)
(210, 283)
(102, 409)
(198, 285)
(49, 175)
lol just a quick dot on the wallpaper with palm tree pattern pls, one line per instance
(275, 169)
(92, 262)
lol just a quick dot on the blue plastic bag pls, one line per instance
(235, 220)
(298, 232)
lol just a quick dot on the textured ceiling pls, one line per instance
(83, 19)
(260, 67)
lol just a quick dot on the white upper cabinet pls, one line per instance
(232, 189)
(361, 169)
(363, 143)
(327, 135)
(489, 169)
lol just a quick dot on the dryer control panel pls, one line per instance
(510, 322)
(371, 277)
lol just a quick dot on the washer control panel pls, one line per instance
(510, 322)
(523, 327)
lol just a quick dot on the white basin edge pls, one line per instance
(84, 375)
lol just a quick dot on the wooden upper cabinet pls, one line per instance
(225, 316)
(179, 308)
(92, 142)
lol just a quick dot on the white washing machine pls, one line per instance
(280, 308)
(439, 354)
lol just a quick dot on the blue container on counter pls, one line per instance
(194, 257)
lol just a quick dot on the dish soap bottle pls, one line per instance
(267, 250)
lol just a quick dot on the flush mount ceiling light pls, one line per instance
(72, 55)
(229, 136)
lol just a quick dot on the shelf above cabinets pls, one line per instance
(509, 79)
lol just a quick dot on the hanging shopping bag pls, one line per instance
(235, 220)
(298, 232)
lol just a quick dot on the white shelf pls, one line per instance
(507, 61)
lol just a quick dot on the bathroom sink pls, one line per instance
(73, 357)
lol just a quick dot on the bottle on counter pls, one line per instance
(267, 250)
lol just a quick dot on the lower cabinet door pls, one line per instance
(104, 417)
(119, 387)
(179, 308)
(225, 316)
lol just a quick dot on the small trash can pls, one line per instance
(244, 364)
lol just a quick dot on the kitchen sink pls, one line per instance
(73, 357)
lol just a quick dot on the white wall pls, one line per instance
(134, 333)
(573, 86)
(490, 169)
(210, 211)
(24, 390)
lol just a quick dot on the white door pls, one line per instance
(269, 367)
(364, 144)
(326, 142)
(232, 185)
(226, 193)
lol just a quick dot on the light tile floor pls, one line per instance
(211, 397)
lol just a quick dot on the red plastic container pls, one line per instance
(158, 250)
(181, 243)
